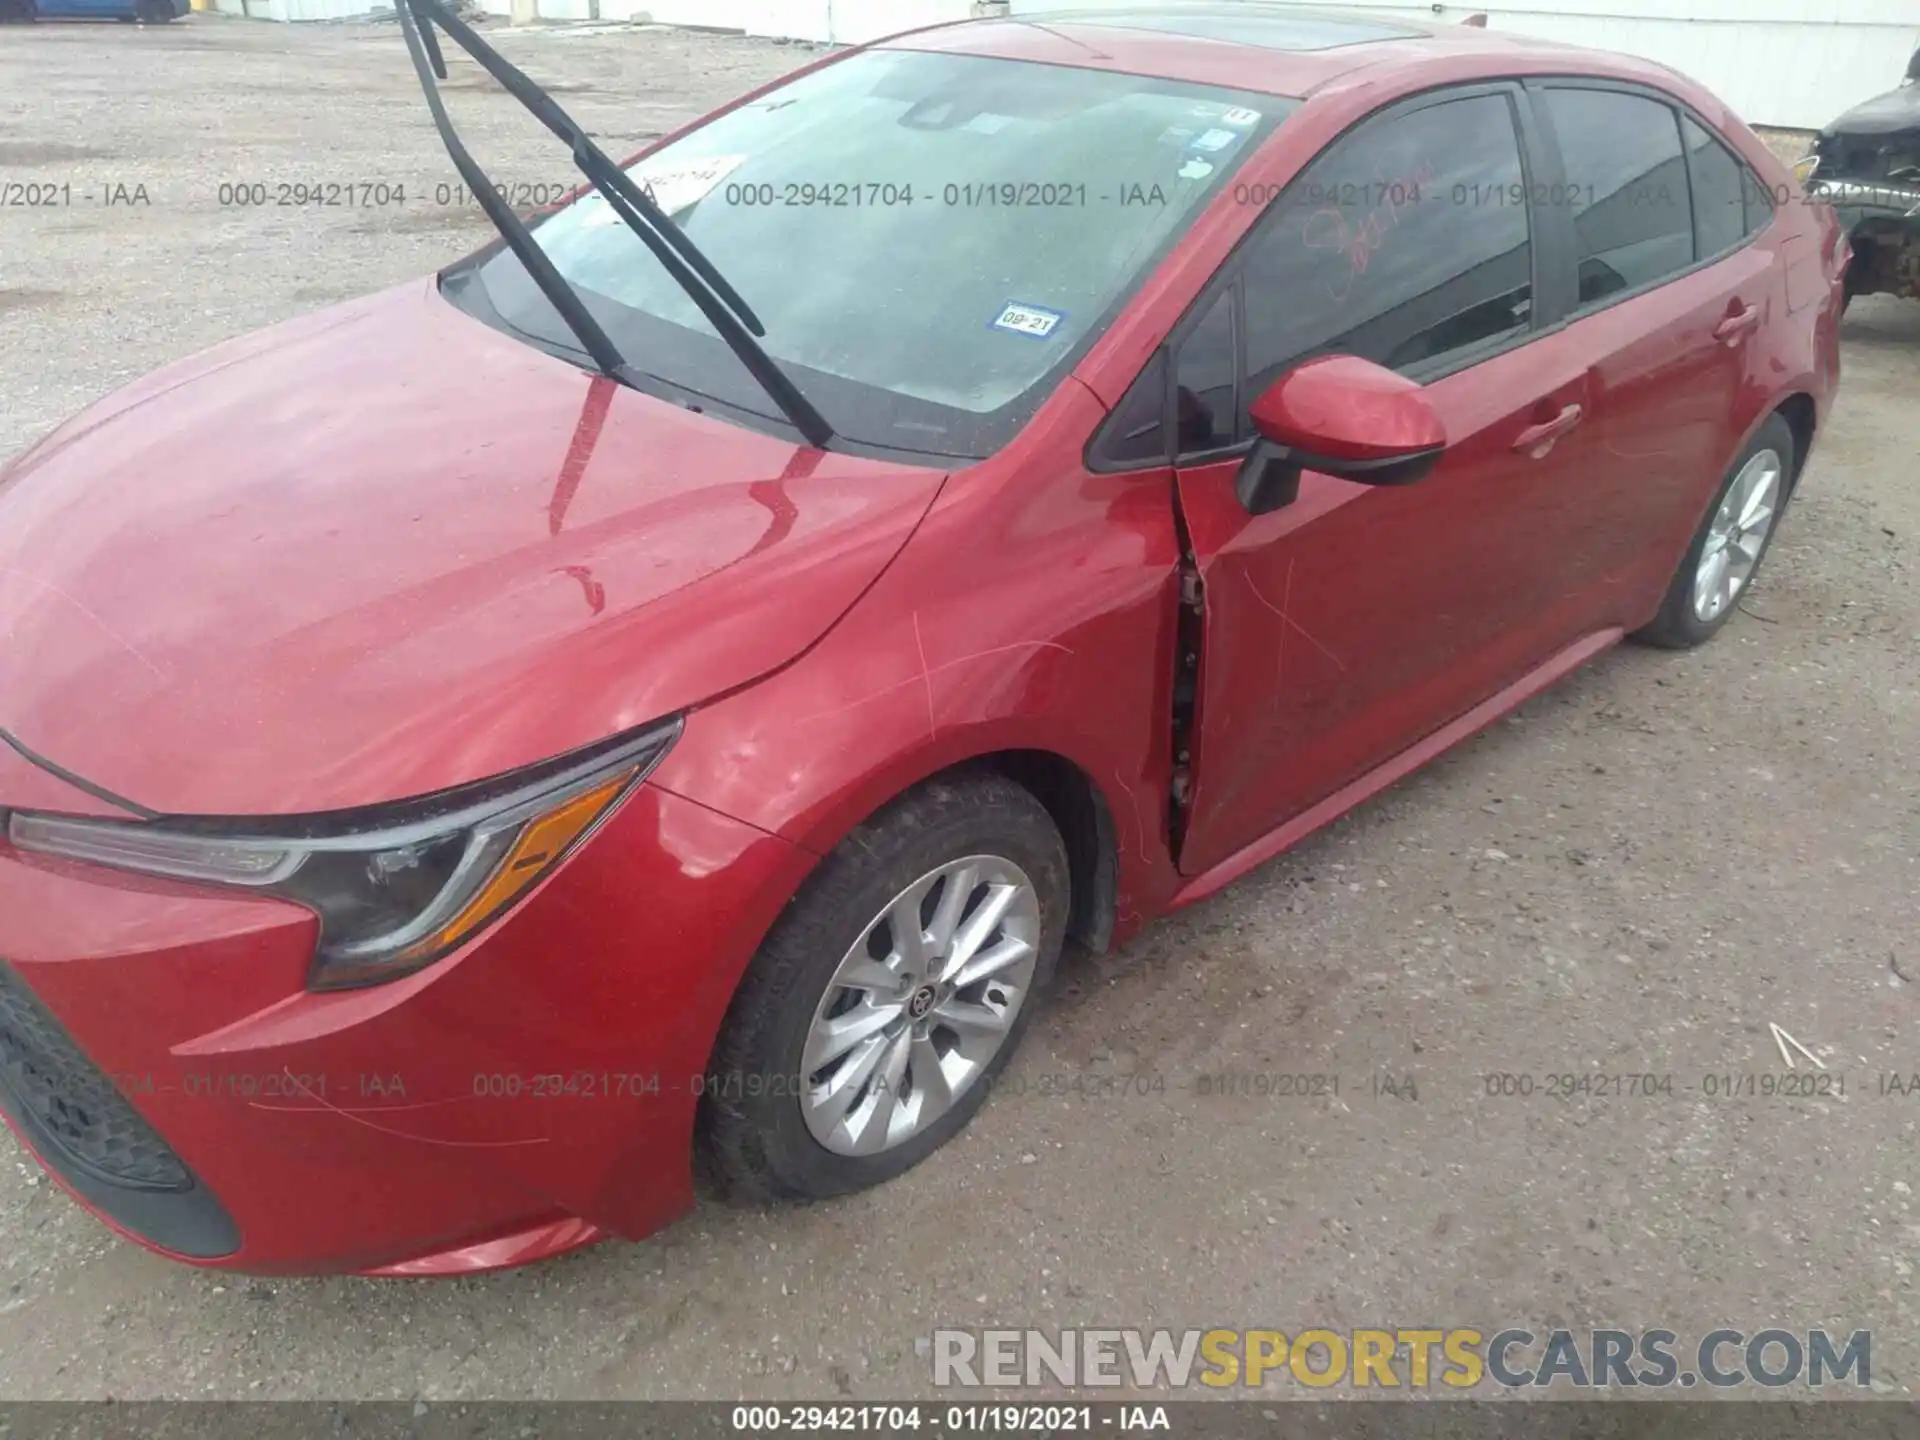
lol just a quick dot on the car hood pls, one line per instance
(385, 550)
(1886, 114)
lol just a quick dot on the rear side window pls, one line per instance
(1628, 182)
(1406, 243)
(1719, 199)
(1729, 201)
(1759, 201)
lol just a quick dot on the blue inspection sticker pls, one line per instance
(1212, 142)
(1035, 322)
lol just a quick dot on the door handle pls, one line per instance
(1737, 324)
(1538, 439)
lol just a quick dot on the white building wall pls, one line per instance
(1789, 63)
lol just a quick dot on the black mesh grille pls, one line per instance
(72, 1105)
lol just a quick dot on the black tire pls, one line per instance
(1678, 626)
(756, 1137)
(154, 12)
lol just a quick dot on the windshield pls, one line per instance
(931, 240)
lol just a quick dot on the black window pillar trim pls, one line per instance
(1693, 186)
(1556, 283)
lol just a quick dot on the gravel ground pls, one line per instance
(1638, 872)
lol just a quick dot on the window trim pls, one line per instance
(1533, 146)
(1750, 185)
(1556, 289)
(1537, 87)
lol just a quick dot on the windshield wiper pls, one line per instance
(723, 306)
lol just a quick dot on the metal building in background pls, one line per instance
(1789, 63)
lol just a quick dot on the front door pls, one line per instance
(1343, 627)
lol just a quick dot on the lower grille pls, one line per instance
(71, 1104)
(87, 1131)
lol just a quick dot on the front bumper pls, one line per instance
(535, 1091)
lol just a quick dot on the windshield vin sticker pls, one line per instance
(1033, 321)
(1240, 117)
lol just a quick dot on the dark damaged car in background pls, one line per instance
(1866, 164)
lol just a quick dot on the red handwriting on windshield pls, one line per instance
(1361, 221)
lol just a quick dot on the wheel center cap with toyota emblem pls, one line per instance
(921, 1002)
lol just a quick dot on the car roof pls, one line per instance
(1277, 49)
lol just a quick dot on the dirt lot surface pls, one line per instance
(1637, 873)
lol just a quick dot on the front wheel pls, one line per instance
(896, 986)
(1732, 540)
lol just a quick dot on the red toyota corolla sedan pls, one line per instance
(673, 681)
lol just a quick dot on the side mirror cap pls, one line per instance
(1344, 417)
(1913, 66)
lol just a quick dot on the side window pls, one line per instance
(1719, 201)
(1759, 201)
(1406, 242)
(1204, 407)
(1628, 182)
(1136, 432)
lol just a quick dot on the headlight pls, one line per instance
(395, 887)
(1806, 165)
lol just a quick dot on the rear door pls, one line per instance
(1666, 291)
(1345, 626)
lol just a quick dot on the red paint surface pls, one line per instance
(339, 569)
(1346, 408)
(320, 567)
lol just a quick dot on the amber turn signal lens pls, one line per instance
(542, 844)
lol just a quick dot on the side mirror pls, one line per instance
(1913, 67)
(1344, 417)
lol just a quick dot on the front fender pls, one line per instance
(1033, 610)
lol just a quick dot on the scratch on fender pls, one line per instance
(1133, 804)
(926, 676)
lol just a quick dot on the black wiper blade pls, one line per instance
(594, 162)
(428, 63)
(725, 309)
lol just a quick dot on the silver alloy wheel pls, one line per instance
(1737, 535)
(920, 1005)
